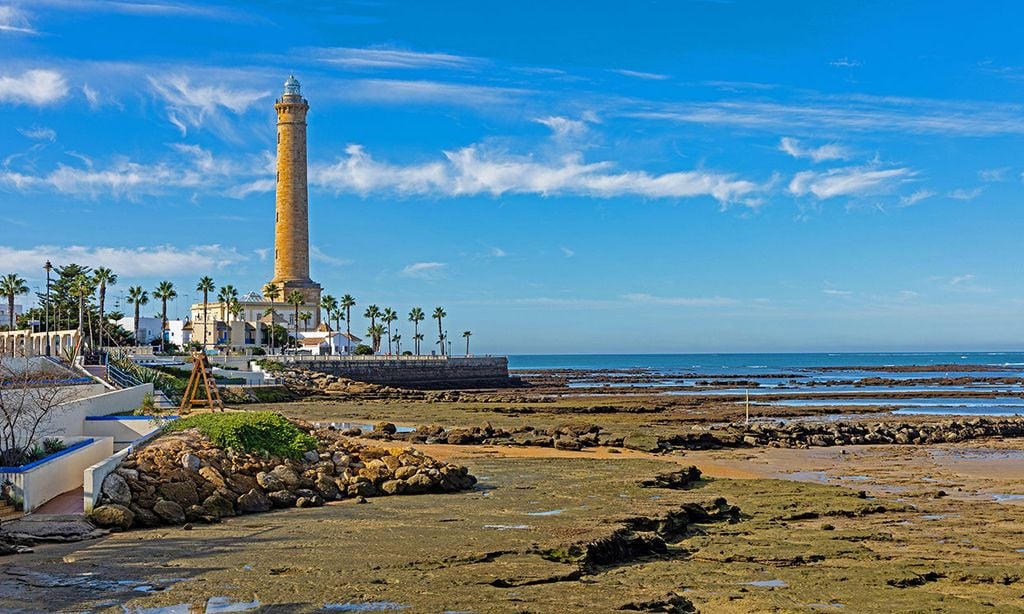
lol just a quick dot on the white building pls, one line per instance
(149, 328)
(179, 332)
(325, 341)
(5, 316)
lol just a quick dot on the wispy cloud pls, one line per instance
(15, 21)
(916, 197)
(396, 91)
(679, 301)
(497, 252)
(39, 133)
(127, 261)
(425, 270)
(567, 252)
(821, 153)
(141, 8)
(316, 253)
(845, 62)
(965, 193)
(649, 76)
(966, 283)
(854, 181)
(993, 175)
(836, 292)
(392, 58)
(190, 104)
(34, 87)
(475, 170)
(564, 128)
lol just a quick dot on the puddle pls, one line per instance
(547, 513)
(979, 454)
(938, 516)
(366, 606)
(767, 583)
(826, 606)
(1004, 498)
(214, 605)
(855, 478)
(507, 527)
(1020, 550)
(806, 476)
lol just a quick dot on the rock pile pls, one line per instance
(183, 477)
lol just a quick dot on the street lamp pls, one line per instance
(48, 267)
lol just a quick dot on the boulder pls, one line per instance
(281, 498)
(391, 462)
(326, 486)
(216, 505)
(418, 483)
(253, 502)
(214, 477)
(393, 487)
(169, 511)
(314, 501)
(112, 516)
(404, 473)
(385, 427)
(286, 475)
(115, 488)
(182, 493)
(270, 482)
(191, 462)
(145, 518)
(641, 442)
(567, 442)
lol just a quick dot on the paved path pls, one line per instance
(69, 502)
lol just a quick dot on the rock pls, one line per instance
(187, 527)
(567, 443)
(327, 487)
(311, 456)
(182, 493)
(213, 476)
(286, 475)
(240, 483)
(314, 501)
(270, 482)
(391, 462)
(361, 499)
(641, 442)
(418, 483)
(128, 474)
(112, 516)
(191, 462)
(145, 518)
(216, 505)
(404, 473)
(393, 487)
(254, 502)
(281, 498)
(169, 511)
(115, 488)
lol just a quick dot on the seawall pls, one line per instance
(412, 371)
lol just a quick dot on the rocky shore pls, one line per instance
(793, 434)
(303, 382)
(183, 478)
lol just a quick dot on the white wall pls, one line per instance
(67, 420)
(93, 476)
(64, 473)
(123, 429)
(149, 328)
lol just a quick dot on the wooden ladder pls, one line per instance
(202, 374)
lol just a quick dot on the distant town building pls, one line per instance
(149, 328)
(5, 316)
(179, 332)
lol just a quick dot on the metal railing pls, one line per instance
(371, 357)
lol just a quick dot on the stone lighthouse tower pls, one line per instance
(291, 224)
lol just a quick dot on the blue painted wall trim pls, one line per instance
(32, 465)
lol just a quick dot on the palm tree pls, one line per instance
(227, 295)
(103, 277)
(165, 292)
(347, 303)
(137, 296)
(335, 314)
(372, 312)
(438, 315)
(81, 288)
(206, 286)
(467, 334)
(328, 303)
(10, 286)
(375, 331)
(416, 316)
(388, 317)
(295, 299)
(305, 316)
(272, 291)
(398, 344)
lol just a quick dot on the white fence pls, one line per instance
(93, 476)
(36, 483)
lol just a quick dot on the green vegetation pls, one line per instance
(52, 445)
(260, 431)
(270, 366)
(363, 350)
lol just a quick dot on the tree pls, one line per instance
(439, 313)
(10, 286)
(25, 406)
(295, 299)
(103, 277)
(227, 295)
(272, 291)
(375, 331)
(82, 288)
(305, 316)
(165, 292)
(388, 317)
(416, 316)
(205, 286)
(329, 304)
(138, 297)
(467, 334)
(347, 303)
(336, 315)
(398, 344)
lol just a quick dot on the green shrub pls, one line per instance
(363, 350)
(258, 431)
(270, 366)
(36, 452)
(52, 445)
(258, 351)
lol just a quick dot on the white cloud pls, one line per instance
(472, 171)
(649, 76)
(386, 57)
(320, 256)
(36, 87)
(191, 104)
(564, 128)
(676, 301)
(39, 133)
(15, 21)
(961, 279)
(263, 253)
(497, 252)
(394, 91)
(126, 261)
(852, 181)
(916, 197)
(567, 252)
(845, 63)
(425, 270)
(817, 154)
(966, 194)
(836, 292)
(993, 175)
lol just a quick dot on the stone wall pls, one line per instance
(421, 372)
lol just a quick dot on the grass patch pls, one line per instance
(257, 432)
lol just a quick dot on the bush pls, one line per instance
(407, 353)
(258, 431)
(148, 407)
(363, 350)
(259, 352)
(52, 445)
(270, 366)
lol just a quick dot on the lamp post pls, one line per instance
(48, 267)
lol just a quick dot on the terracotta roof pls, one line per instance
(308, 341)
(351, 337)
(323, 328)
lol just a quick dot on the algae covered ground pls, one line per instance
(557, 535)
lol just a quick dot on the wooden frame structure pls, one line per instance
(202, 374)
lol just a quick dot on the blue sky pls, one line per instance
(667, 176)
